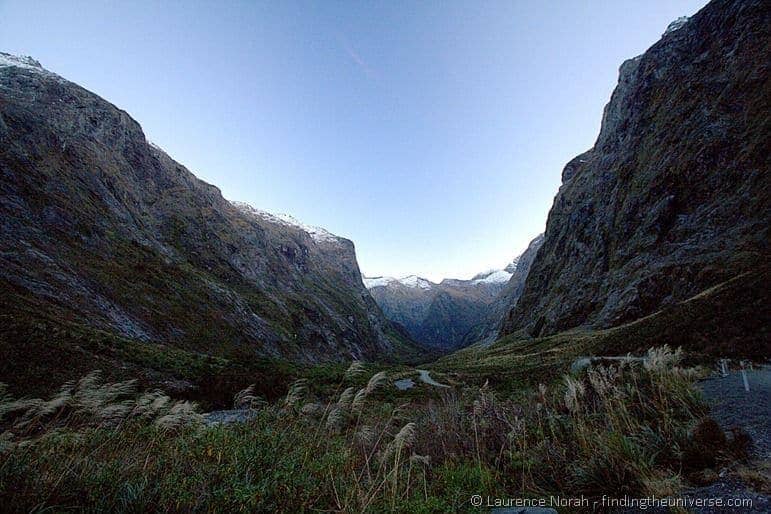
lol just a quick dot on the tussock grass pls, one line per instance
(624, 428)
(90, 403)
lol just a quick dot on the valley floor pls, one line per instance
(352, 442)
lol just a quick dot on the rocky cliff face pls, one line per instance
(102, 228)
(674, 196)
(487, 331)
(454, 313)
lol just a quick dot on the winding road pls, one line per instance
(407, 383)
(426, 378)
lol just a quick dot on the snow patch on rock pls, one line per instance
(20, 61)
(27, 63)
(408, 281)
(318, 234)
(677, 24)
(370, 282)
(416, 281)
(495, 277)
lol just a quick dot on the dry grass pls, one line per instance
(626, 428)
(91, 403)
(247, 399)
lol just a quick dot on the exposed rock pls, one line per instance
(582, 363)
(404, 383)
(438, 315)
(487, 331)
(104, 229)
(674, 196)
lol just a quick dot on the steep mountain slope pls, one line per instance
(674, 196)
(448, 315)
(487, 331)
(102, 229)
(404, 301)
(718, 321)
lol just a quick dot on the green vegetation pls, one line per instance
(727, 320)
(359, 446)
(56, 350)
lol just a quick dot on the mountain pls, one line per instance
(102, 229)
(442, 316)
(487, 330)
(673, 198)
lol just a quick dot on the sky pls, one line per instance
(431, 133)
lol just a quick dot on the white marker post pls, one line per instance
(744, 379)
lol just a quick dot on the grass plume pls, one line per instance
(629, 427)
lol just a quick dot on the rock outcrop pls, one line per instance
(674, 196)
(103, 229)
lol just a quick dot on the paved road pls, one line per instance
(425, 377)
(734, 407)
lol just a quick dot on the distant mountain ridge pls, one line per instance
(453, 313)
(102, 229)
(493, 276)
(488, 329)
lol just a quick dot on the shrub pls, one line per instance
(623, 428)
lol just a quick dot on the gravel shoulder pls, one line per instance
(734, 407)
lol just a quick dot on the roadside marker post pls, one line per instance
(724, 367)
(744, 379)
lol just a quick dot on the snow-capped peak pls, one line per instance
(27, 63)
(21, 61)
(415, 281)
(408, 281)
(317, 233)
(370, 282)
(678, 23)
(484, 273)
(492, 277)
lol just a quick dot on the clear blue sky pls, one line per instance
(432, 134)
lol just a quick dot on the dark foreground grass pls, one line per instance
(626, 429)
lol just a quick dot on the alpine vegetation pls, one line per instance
(633, 427)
